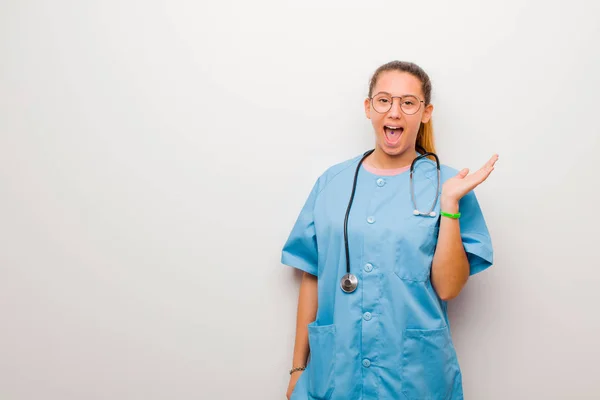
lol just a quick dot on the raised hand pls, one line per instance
(456, 187)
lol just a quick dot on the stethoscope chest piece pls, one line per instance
(429, 214)
(349, 283)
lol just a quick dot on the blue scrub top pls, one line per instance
(390, 338)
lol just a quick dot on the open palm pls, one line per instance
(461, 184)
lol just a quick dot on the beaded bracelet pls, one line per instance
(297, 369)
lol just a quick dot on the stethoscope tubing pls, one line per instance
(412, 167)
(365, 155)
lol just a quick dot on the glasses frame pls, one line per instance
(392, 103)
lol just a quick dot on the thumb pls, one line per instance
(463, 172)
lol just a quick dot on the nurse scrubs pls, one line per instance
(390, 338)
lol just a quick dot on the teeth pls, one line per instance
(393, 127)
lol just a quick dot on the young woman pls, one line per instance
(385, 239)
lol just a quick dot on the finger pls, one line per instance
(485, 171)
(463, 172)
(491, 162)
(482, 174)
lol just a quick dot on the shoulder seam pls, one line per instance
(336, 174)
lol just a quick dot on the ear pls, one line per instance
(368, 108)
(427, 113)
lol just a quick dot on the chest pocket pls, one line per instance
(414, 250)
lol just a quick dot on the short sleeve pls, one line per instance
(475, 236)
(300, 250)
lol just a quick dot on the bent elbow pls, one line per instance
(449, 295)
(449, 292)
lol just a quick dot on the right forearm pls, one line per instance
(307, 312)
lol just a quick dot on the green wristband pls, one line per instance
(453, 216)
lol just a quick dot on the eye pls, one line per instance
(408, 103)
(383, 100)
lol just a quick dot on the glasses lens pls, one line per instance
(382, 103)
(410, 104)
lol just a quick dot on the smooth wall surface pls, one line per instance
(155, 154)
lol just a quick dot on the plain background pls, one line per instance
(155, 154)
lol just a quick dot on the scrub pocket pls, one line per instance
(430, 368)
(321, 377)
(414, 251)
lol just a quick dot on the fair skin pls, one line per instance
(401, 153)
(450, 267)
(396, 149)
(307, 312)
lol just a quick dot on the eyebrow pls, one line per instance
(402, 95)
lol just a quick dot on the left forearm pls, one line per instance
(450, 268)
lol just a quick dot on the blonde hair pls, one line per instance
(425, 135)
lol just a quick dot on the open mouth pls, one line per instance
(393, 134)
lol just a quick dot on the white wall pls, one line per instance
(155, 154)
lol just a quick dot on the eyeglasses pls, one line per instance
(382, 103)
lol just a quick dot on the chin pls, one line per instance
(392, 151)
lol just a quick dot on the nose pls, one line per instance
(395, 111)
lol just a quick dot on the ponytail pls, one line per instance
(425, 137)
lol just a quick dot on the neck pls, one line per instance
(381, 160)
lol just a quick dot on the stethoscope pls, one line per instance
(349, 281)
